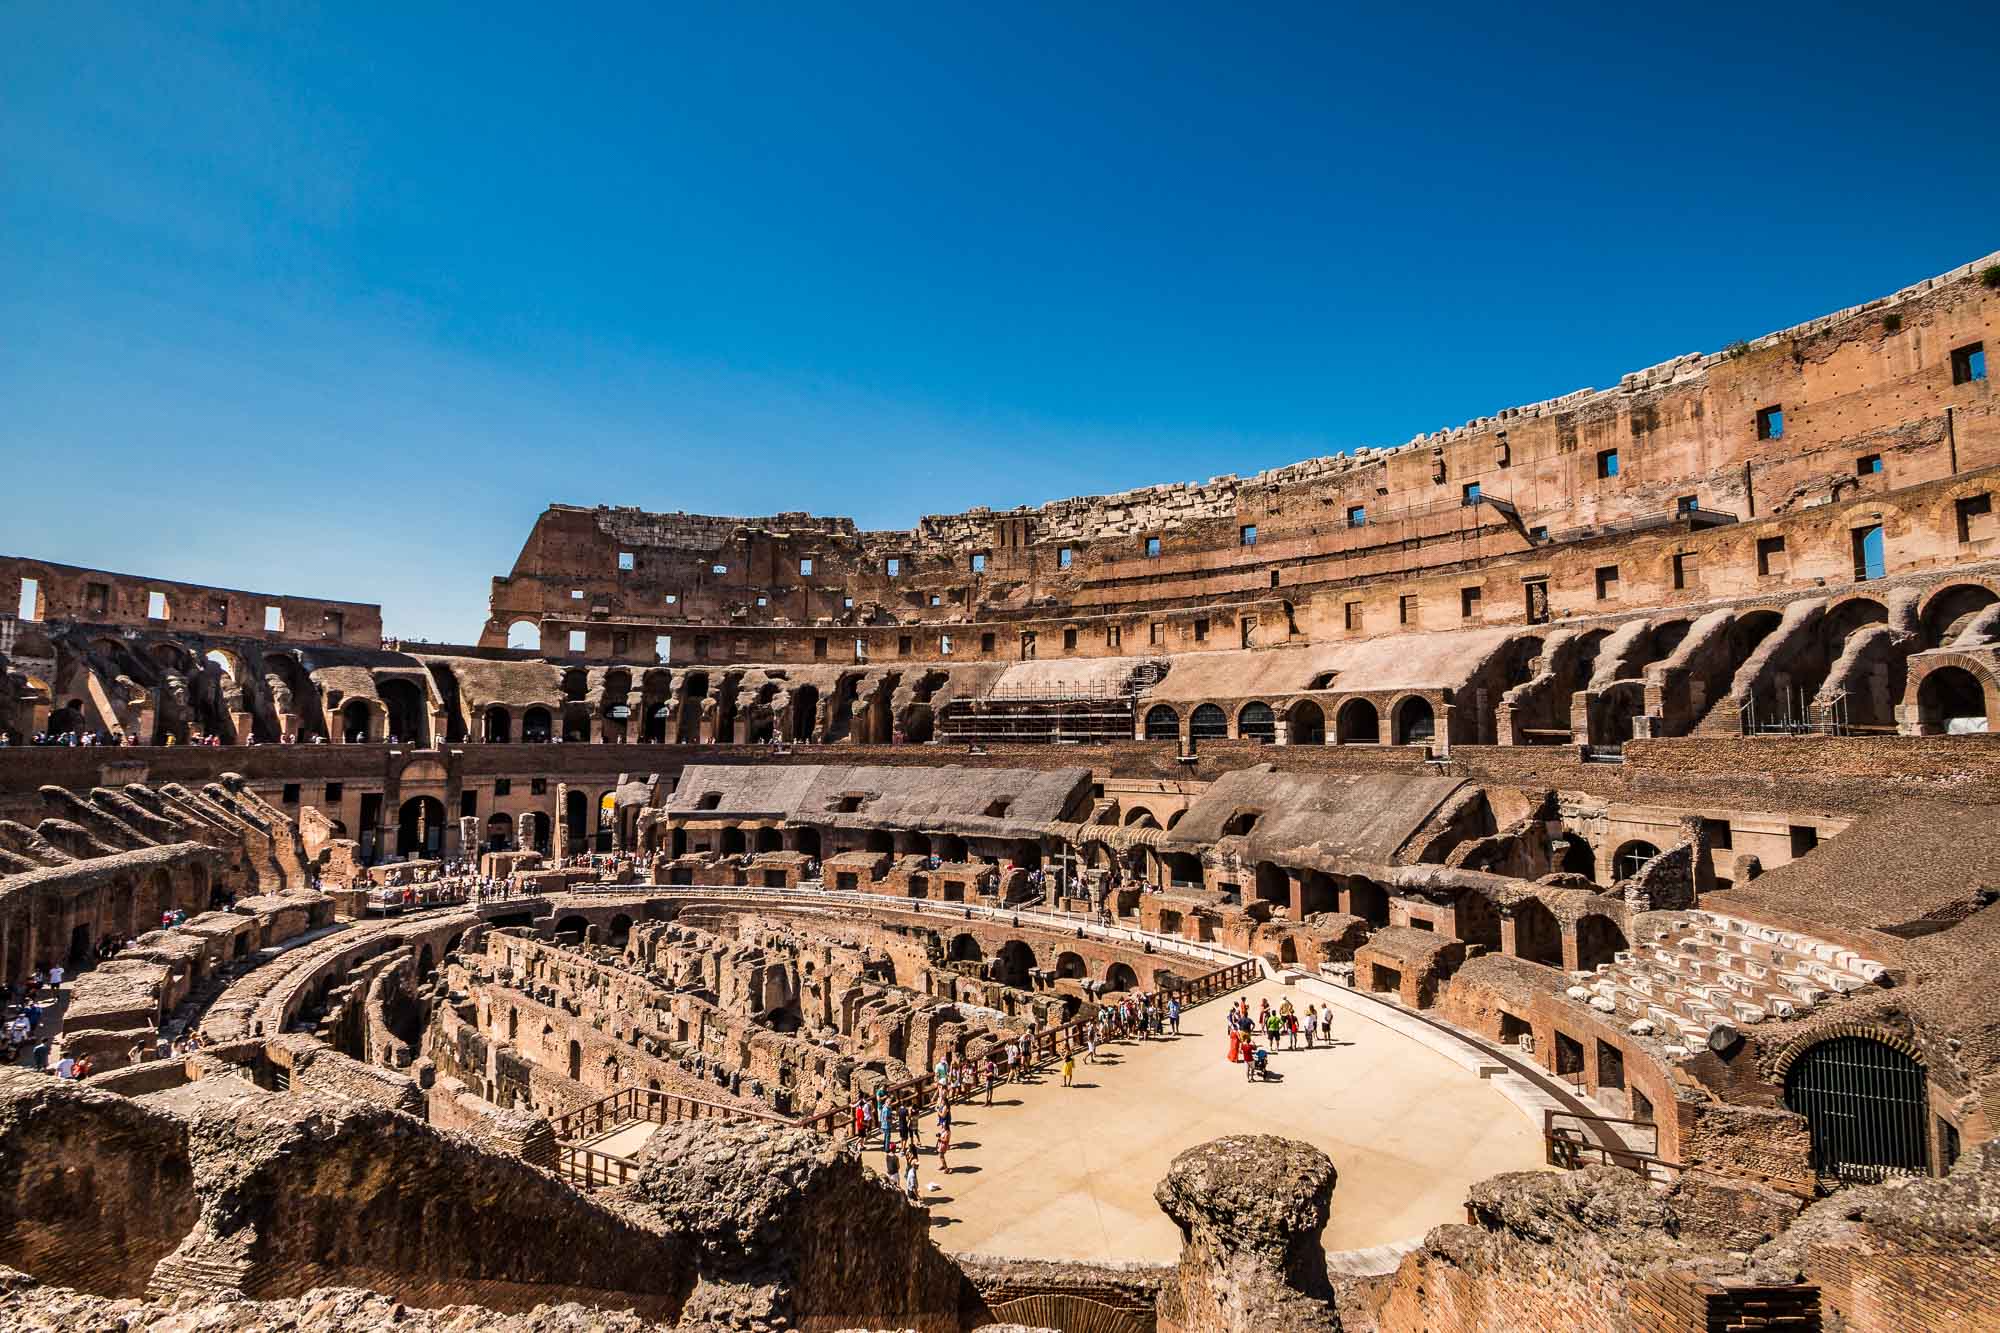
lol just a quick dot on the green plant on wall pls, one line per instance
(1990, 275)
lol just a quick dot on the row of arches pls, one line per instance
(1357, 721)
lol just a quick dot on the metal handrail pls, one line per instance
(1568, 1146)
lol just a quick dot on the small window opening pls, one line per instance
(1357, 516)
(1247, 534)
(1968, 363)
(1063, 557)
(893, 566)
(805, 567)
(1468, 603)
(1152, 547)
(31, 599)
(1607, 582)
(576, 640)
(274, 620)
(1770, 556)
(979, 562)
(625, 560)
(1607, 463)
(156, 606)
(1868, 465)
(1771, 423)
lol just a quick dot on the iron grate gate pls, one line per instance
(1865, 1103)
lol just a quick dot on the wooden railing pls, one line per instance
(1042, 1048)
(651, 1104)
(1568, 1143)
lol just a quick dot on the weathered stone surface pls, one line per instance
(1251, 1208)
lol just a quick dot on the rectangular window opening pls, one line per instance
(1201, 630)
(31, 599)
(893, 566)
(1607, 463)
(1352, 613)
(1975, 518)
(1063, 557)
(1406, 609)
(1968, 363)
(274, 620)
(1468, 603)
(576, 640)
(1069, 640)
(1469, 493)
(819, 645)
(663, 647)
(979, 562)
(1771, 423)
(1770, 556)
(1868, 465)
(1247, 534)
(625, 560)
(805, 567)
(986, 643)
(1607, 582)
(1687, 570)
(1357, 516)
(1152, 547)
(156, 606)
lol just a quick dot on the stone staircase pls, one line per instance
(1705, 970)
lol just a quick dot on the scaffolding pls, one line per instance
(1795, 714)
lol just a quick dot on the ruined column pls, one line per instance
(1251, 1208)
(561, 833)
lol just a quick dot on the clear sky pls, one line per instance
(333, 299)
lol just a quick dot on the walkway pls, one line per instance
(1068, 1173)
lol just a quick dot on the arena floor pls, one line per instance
(1068, 1173)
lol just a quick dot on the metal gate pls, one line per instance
(1865, 1103)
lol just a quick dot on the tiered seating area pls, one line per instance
(1705, 970)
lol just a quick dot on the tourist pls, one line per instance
(910, 1179)
(1174, 1015)
(944, 1148)
(992, 1077)
(1311, 1022)
(1069, 1068)
(1326, 1026)
(1090, 1043)
(66, 1067)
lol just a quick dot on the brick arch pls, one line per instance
(1392, 716)
(1956, 584)
(1925, 665)
(1894, 1040)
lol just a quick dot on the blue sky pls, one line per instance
(332, 300)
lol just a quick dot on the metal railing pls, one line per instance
(1568, 1143)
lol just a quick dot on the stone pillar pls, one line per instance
(468, 835)
(1251, 1208)
(559, 835)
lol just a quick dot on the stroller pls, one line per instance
(1255, 1064)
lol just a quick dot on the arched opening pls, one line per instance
(525, 634)
(1140, 817)
(1578, 858)
(769, 840)
(806, 840)
(535, 831)
(536, 726)
(1120, 977)
(446, 681)
(1537, 937)
(1162, 723)
(1273, 886)
(1865, 1103)
(732, 843)
(1209, 723)
(1305, 723)
(1951, 612)
(572, 927)
(964, 949)
(354, 721)
(1357, 723)
(576, 821)
(1631, 858)
(420, 827)
(1599, 941)
(1257, 723)
(576, 724)
(1070, 965)
(1951, 701)
(1014, 965)
(694, 689)
(880, 840)
(409, 714)
(805, 711)
(499, 725)
(621, 931)
(500, 832)
(1416, 723)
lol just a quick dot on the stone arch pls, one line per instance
(1120, 977)
(965, 948)
(525, 634)
(356, 721)
(537, 725)
(1414, 721)
(1865, 1100)
(1014, 964)
(620, 932)
(1140, 817)
(499, 725)
(1305, 723)
(732, 842)
(573, 925)
(1578, 857)
(1162, 723)
(407, 710)
(1947, 612)
(1537, 936)
(420, 827)
(1256, 722)
(1599, 941)
(1208, 723)
(1369, 901)
(1954, 696)
(1071, 965)
(1358, 723)
(1631, 857)
(805, 712)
